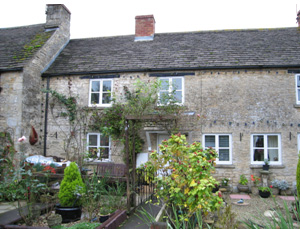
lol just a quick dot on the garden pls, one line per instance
(32, 188)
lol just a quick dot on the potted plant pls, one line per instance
(70, 191)
(105, 213)
(266, 165)
(256, 180)
(243, 184)
(225, 184)
(264, 192)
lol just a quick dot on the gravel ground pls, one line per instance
(257, 207)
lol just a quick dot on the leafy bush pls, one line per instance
(70, 186)
(184, 178)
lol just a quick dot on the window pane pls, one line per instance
(178, 96)
(93, 152)
(273, 154)
(258, 141)
(104, 140)
(106, 98)
(92, 140)
(95, 98)
(164, 97)
(210, 141)
(298, 81)
(177, 84)
(95, 86)
(258, 155)
(164, 84)
(272, 141)
(107, 85)
(298, 94)
(223, 141)
(104, 152)
(224, 155)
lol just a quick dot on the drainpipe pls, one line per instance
(46, 116)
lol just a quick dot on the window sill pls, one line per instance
(271, 167)
(224, 166)
(296, 105)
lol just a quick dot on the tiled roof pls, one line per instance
(19, 44)
(207, 49)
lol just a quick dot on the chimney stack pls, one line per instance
(57, 14)
(298, 18)
(144, 28)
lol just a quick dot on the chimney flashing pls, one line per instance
(145, 38)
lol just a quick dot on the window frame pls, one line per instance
(297, 88)
(98, 146)
(171, 89)
(217, 147)
(100, 104)
(265, 148)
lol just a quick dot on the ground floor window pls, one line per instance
(98, 146)
(222, 144)
(265, 146)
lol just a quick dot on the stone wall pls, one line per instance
(21, 98)
(239, 103)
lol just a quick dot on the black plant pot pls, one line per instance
(103, 218)
(266, 167)
(264, 194)
(68, 214)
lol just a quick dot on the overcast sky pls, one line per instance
(96, 18)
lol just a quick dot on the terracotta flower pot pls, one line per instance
(243, 188)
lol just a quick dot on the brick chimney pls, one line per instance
(298, 18)
(144, 28)
(57, 14)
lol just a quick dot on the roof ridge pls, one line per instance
(23, 26)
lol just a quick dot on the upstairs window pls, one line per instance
(171, 90)
(298, 88)
(98, 146)
(100, 92)
(222, 144)
(265, 146)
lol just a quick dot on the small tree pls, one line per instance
(70, 186)
(184, 175)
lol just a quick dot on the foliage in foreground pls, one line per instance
(280, 217)
(71, 184)
(184, 176)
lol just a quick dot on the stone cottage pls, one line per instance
(244, 84)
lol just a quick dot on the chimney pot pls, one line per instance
(144, 27)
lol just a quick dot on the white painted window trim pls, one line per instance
(297, 88)
(279, 162)
(217, 147)
(101, 92)
(98, 146)
(170, 78)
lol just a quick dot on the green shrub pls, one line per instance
(70, 186)
(184, 176)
